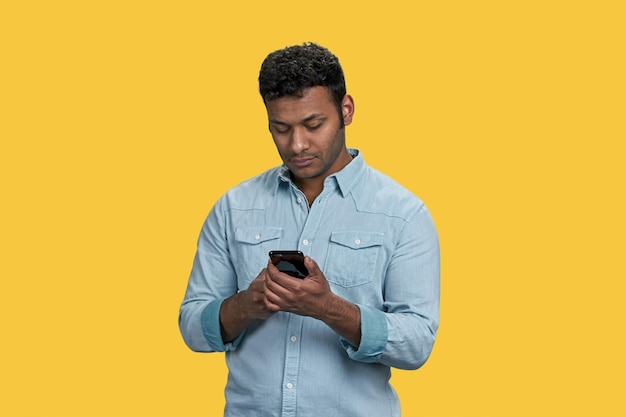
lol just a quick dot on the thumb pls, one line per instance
(311, 266)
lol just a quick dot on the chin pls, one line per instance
(304, 173)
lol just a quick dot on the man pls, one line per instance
(320, 346)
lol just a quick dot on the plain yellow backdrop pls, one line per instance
(121, 122)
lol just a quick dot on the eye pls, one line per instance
(314, 127)
(280, 129)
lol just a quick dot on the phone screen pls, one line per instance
(290, 262)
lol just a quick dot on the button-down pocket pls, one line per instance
(251, 251)
(352, 256)
(257, 235)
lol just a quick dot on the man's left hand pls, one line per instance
(308, 296)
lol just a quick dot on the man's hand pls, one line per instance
(273, 291)
(305, 297)
(238, 311)
(253, 301)
(312, 296)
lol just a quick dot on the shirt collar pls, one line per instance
(345, 179)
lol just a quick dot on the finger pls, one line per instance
(311, 266)
(277, 284)
(271, 268)
(273, 275)
(271, 306)
(279, 279)
(273, 301)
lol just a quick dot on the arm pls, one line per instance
(214, 314)
(402, 333)
(411, 296)
(211, 283)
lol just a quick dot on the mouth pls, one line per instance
(301, 162)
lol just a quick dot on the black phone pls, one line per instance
(290, 262)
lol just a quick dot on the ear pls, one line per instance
(347, 109)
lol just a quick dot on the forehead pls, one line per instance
(314, 101)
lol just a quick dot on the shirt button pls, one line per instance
(289, 385)
(257, 237)
(299, 200)
(293, 338)
(305, 242)
(358, 241)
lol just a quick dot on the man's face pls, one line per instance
(307, 132)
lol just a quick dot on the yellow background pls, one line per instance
(121, 122)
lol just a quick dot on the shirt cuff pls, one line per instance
(211, 328)
(373, 336)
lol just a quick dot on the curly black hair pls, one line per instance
(288, 72)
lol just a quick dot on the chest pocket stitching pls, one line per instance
(357, 240)
(256, 235)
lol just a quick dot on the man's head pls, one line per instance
(290, 71)
(304, 92)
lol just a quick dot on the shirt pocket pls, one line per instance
(250, 252)
(352, 256)
(257, 235)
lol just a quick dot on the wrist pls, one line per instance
(240, 308)
(344, 318)
(333, 308)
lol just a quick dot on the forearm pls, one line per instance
(344, 318)
(398, 340)
(211, 281)
(233, 318)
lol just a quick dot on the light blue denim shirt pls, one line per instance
(377, 246)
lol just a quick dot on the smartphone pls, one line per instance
(290, 262)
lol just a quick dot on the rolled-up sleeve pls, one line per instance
(412, 294)
(373, 336)
(211, 281)
(211, 328)
(402, 335)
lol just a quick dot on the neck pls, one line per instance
(312, 187)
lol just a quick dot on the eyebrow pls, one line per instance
(306, 119)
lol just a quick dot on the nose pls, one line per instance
(299, 140)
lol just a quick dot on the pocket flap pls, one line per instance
(257, 235)
(357, 239)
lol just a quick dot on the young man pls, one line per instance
(322, 345)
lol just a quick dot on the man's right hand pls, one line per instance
(254, 301)
(239, 310)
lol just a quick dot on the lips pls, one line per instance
(301, 162)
